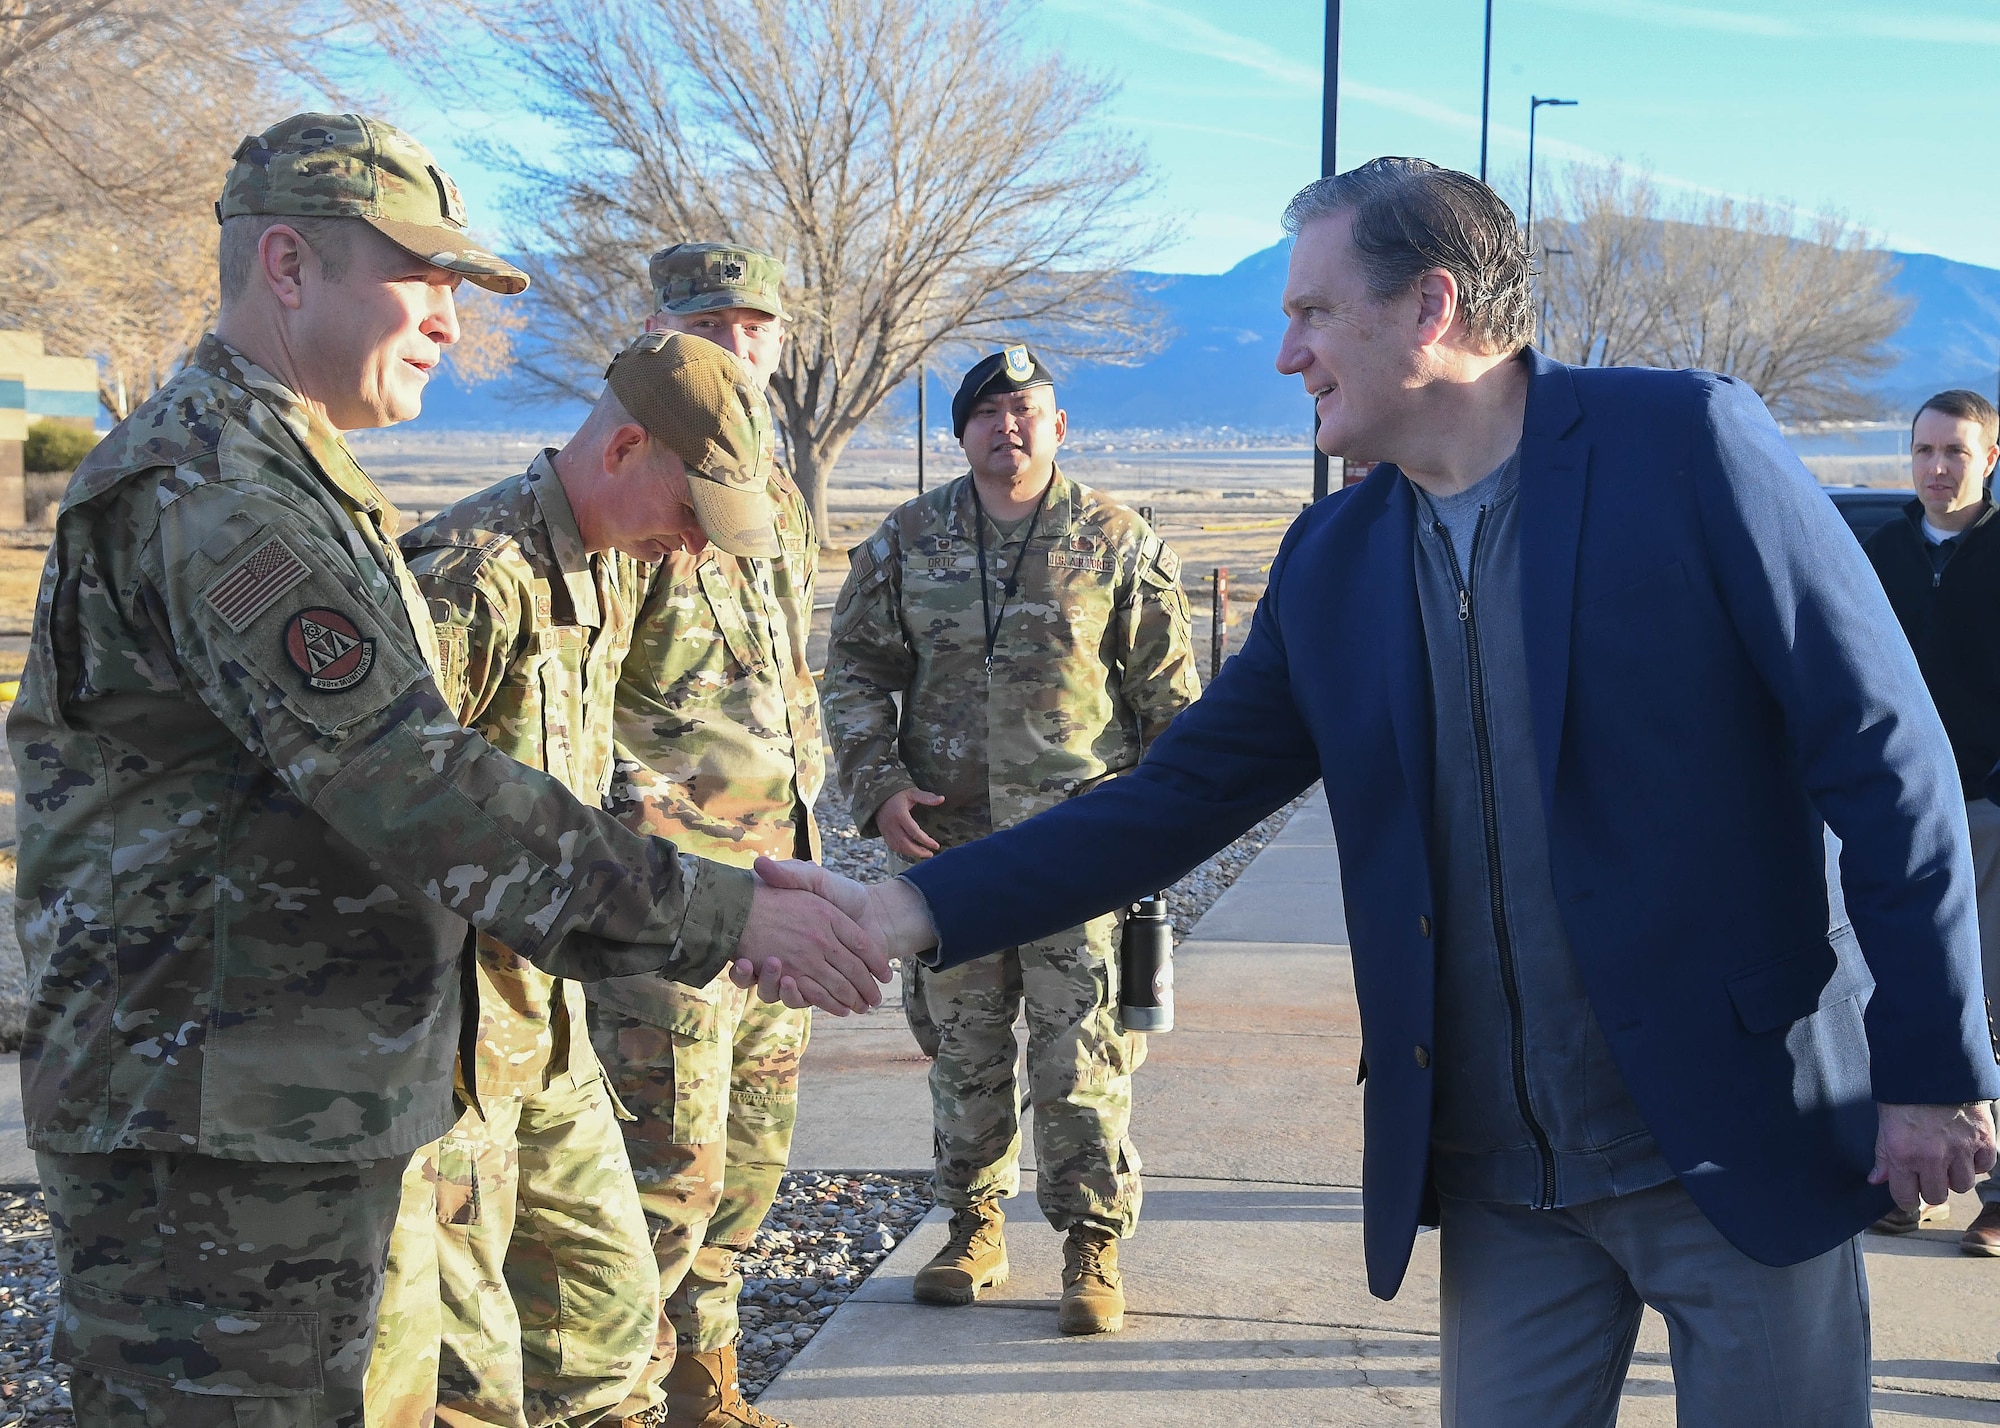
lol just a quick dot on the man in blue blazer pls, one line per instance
(1583, 666)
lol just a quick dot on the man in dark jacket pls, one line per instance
(1941, 567)
(1584, 666)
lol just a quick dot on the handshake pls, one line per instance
(815, 938)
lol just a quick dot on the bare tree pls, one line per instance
(1801, 310)
(1803, 313)
(1597, 309)
(488, 326)
(117, 120)
(923, 196)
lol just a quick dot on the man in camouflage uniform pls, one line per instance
(719, 750)
(1038, 637)
(256, 835)
(535, 1230)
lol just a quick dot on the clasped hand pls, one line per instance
(815, 938)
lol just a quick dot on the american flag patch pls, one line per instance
(259, 578)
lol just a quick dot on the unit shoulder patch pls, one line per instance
(1159, 565)
(254, 583)
(328, 649)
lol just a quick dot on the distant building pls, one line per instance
(36, 387)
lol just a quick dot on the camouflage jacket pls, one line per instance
(719, 743)
(531, 632)
(1093, 658)
(252, 832)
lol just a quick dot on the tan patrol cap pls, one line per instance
(698, 399)
(350, 166)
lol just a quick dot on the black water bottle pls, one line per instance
(1146, 968)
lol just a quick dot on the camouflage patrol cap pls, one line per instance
(350, 166)
(1012, 369)
(703, 277)
(699, 400)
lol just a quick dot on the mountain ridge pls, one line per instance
(1217, 370)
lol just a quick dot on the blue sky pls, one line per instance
(1887, 111)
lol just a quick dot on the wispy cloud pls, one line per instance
(1831, 25)
(1925, 29)
(1242, 135)
(1506, 138)
(1177, 30)
(1683, 17)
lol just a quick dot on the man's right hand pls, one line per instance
(899, 826)
(822, 950)
(893, 914)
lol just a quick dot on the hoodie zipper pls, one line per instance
(1496, 886)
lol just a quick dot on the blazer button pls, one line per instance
(1423, 1059)
(1423, 927)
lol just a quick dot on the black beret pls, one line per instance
(1014, 369)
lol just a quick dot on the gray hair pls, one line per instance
(1410, 217)
(331, 239)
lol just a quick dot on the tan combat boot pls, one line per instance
(702, 1393)
(1093, 1299)
(973, 1258)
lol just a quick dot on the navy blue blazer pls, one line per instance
(1714, 669)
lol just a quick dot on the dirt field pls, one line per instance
(1217, 508)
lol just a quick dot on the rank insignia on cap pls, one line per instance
(449, 203)
(328, 649)
(1020, 366)
(732, 270)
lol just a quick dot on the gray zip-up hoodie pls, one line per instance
(1529, 1109)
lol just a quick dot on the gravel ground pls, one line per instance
(824, 1236)
(33, 1391)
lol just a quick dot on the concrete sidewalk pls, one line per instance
(1247, 1298)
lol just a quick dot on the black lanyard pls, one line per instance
(1007, 592)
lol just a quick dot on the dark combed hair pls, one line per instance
(1966, 406)
(1411, 216)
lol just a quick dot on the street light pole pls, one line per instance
(923, 380)
(1535, 104)
(1329, 119)
(1486, 91)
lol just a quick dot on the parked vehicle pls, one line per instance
(1866, 509)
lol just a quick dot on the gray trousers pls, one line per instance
(1541, 1309)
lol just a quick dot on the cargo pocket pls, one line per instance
(559, 676)
(916, 1012)
(457, 1183)
(701, 1070)
(260, 1355)
(725, 605)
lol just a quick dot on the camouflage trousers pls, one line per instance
(205, 1293)
(715, 1093)
(1080, 1066)
(520, 1290)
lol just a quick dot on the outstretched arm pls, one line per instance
(358, 732)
